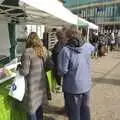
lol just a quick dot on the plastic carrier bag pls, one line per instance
(17, 89)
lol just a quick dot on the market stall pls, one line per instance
(8, 107)
(45, 12)
(61, 16)
(61, 13)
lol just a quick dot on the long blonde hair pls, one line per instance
(34, 42)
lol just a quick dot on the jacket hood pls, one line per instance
(75, 44)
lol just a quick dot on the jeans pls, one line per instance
(38, 115)
(78, 106)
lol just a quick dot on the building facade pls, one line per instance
(105, 13)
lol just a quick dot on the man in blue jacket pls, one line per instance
(74, 64)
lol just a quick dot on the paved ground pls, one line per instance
(105, 95)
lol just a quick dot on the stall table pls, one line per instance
(8, 106)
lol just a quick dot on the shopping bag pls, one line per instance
(49, 76)
(17, 89)
(51, 81)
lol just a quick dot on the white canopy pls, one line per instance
(48, 12)
(55, 8)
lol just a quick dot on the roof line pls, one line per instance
(95, 5)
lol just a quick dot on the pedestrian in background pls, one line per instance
(112, 43)
(118, 39)
(74, 64)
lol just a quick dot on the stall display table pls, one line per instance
(8, 106)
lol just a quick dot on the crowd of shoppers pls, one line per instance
(71, 66)
(104, 42)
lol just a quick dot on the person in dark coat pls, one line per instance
(55, 52)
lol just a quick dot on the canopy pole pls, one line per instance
(77, 14)
(88, 34)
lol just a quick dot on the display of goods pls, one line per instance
(5, 73)
(8, 69)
